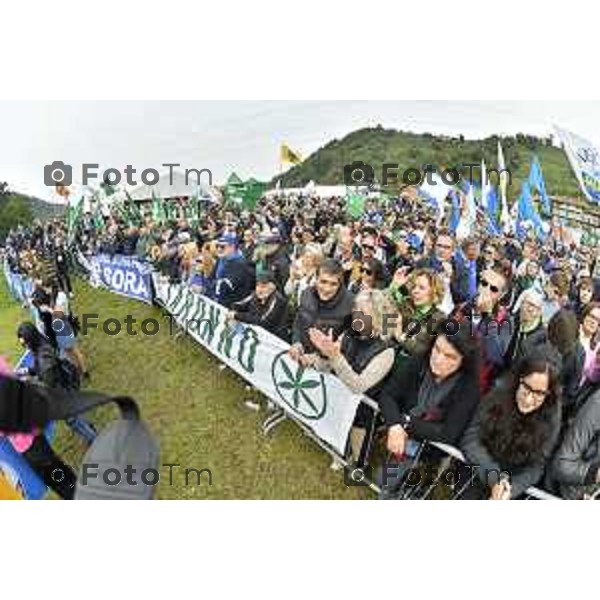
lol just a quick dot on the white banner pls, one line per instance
(585, 162)
(320, 401)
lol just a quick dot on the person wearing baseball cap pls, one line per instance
(233, 276)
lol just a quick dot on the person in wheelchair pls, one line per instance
(433, 398)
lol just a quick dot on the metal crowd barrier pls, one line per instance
(279, 415)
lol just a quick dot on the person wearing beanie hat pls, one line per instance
(273, 257)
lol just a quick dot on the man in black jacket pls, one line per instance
(266, 307)
(326, 306)
(234, 279)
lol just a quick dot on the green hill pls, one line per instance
(376, 146)
(20, 209)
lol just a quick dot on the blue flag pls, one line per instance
(536, 182)
(491, 210)
(455, 215)
(527, 214)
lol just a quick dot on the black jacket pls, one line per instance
(235, 283)
(278, 264)
(522, 344)
(502, 439)
(451, 416)
(313, 312)
(577, 460)
(272, 314)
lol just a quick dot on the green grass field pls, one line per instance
(194, 409)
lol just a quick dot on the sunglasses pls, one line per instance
(444, 246)
(486, 284)
(366, 270)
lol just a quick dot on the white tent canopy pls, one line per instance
(313, 189)
(174, 186)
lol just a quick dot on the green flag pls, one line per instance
(355, 204)
(252, 192)
(98, 219)
(158, 214)
(74, 214)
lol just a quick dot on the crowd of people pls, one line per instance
(487, 343)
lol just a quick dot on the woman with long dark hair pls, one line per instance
(432, 398)
(515, 430)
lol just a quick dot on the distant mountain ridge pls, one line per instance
(40, 209)
(377, 146)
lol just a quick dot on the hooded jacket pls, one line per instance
(577, 461)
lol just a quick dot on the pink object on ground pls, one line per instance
(21, 441)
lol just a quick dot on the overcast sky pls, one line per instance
(241, 136)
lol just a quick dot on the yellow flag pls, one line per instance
(289, 156)
(7, 491)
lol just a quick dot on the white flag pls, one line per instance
(585, 162)
(504, 214)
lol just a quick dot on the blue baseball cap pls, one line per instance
(228, 238)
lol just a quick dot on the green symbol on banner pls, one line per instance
(303, 391)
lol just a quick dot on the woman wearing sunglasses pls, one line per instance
(372, 277)
(514, 431)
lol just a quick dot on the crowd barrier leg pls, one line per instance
(274, 419)
(441, 469)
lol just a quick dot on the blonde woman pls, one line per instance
(362, 357)
(303, 272)
(203, 269)
(418, 296)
